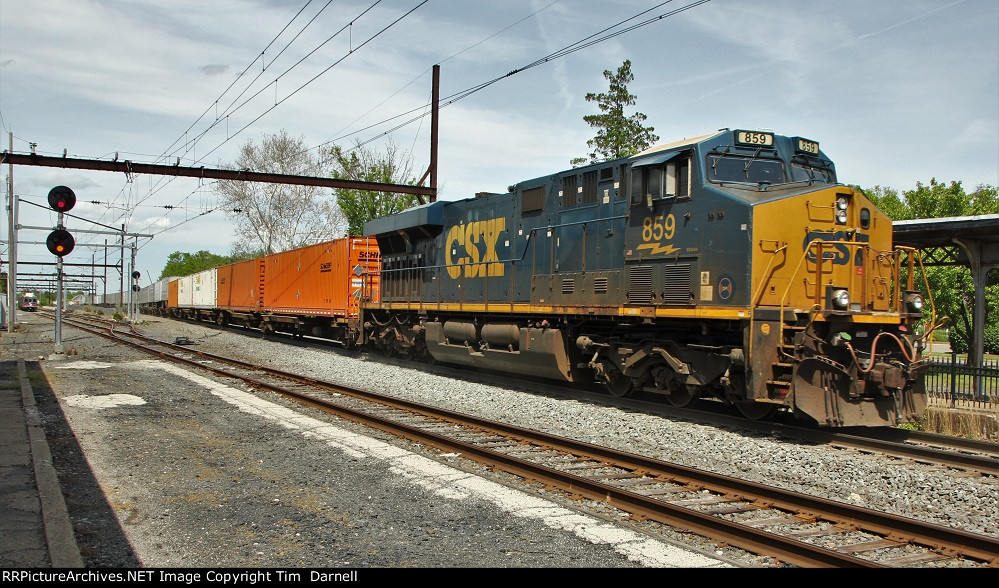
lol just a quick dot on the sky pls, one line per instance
(897, 93)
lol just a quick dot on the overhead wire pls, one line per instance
(288, 70)
(166, 153)
(586, 42)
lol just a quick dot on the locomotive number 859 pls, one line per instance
(731, 265)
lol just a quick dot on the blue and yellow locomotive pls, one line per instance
(731, 265)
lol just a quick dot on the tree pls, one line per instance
(184, 264)
(360, 164)
(279, 217)
(951, 286)
(618, 135)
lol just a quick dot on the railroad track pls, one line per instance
(793, 528)
(962, 456)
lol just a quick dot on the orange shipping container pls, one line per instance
(172, 297)
(321, 280)
(241, 285)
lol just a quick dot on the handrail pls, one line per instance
(895, 302)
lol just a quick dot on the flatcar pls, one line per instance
(316, 290)
(732, 266)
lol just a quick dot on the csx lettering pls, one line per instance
(841, 253)
(477, 261)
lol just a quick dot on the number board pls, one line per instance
(755, 138)
(808, 146)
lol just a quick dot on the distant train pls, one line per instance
(731, 265)
(28, 302)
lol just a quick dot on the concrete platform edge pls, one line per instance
(63, 549)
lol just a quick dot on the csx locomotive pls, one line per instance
(731, 265)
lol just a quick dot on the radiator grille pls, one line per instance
(640, 285)
(599, 285)
(568, 285)
(676, 286)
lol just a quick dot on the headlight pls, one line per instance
(842, 203)
(915, 302)
(841, 299)
(841, 217)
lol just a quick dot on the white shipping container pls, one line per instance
(185, 291)
(161, 289)
(205, 289)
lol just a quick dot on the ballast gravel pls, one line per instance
(257, 493)
(970, 503)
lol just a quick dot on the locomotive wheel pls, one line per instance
(756, 411)
(681, 395)
(620, 386)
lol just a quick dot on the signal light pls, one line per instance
(62, 199)
(60, 242)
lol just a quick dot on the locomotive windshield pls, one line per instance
(745, 170)
(809, 171)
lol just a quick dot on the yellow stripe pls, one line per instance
(875, 318)
(739, 313)
(717, 313)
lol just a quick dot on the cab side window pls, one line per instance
(663, 181)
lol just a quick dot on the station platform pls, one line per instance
(37, 532)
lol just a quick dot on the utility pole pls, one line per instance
(12, 245)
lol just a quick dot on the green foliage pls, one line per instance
(359, 164)
(992, 339)
(618, 135)
(960, 342)
(936, 200)
(184, 264)
(889, 201)
(952, 287)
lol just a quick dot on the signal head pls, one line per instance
(60, 242)
(62, 199)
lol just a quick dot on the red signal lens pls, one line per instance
(62, 199)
